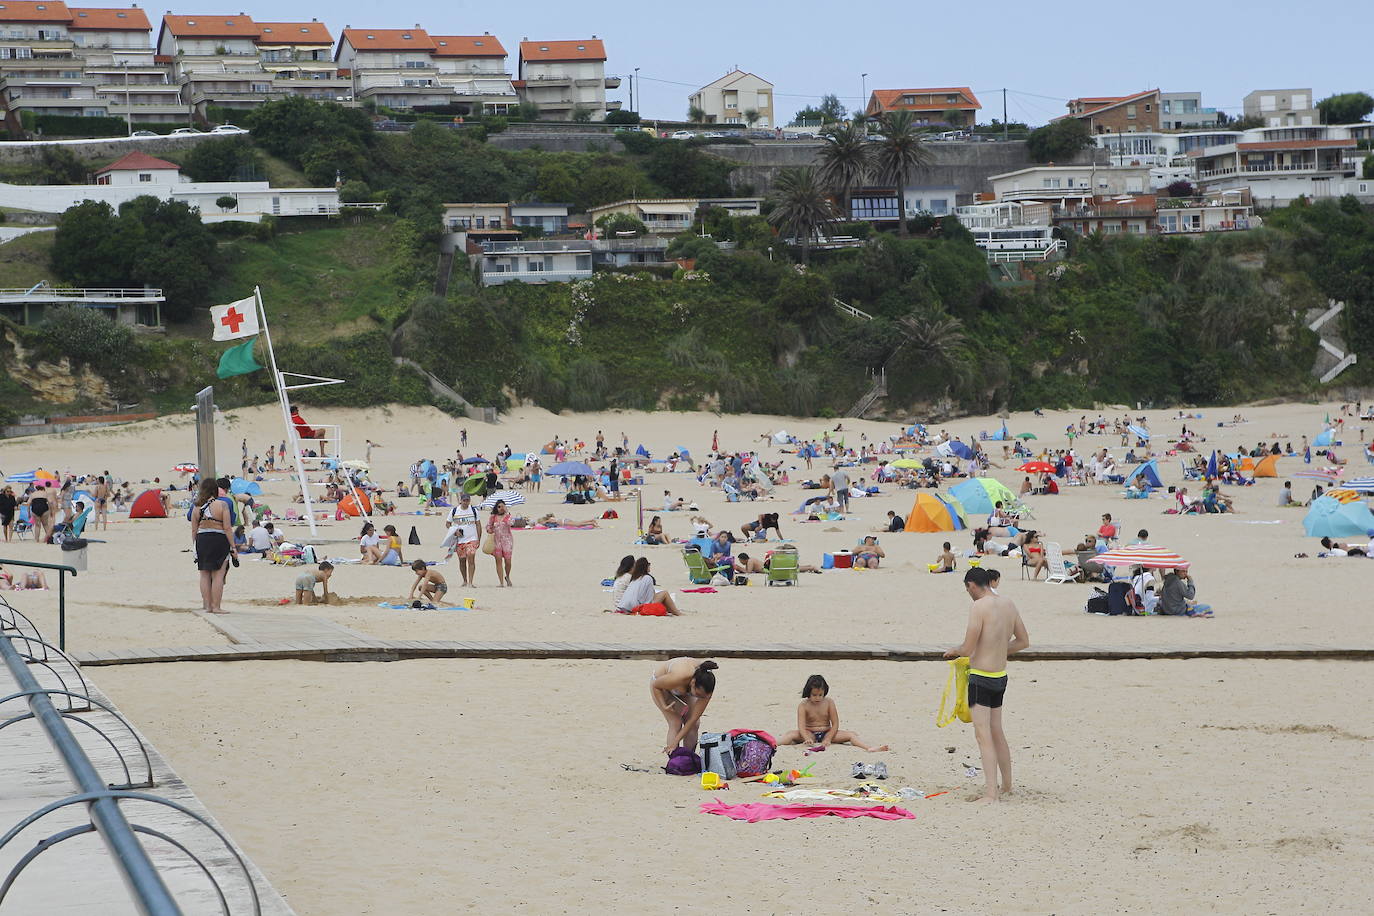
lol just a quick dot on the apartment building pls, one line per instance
(736, 98)
(1117, 114)
(953, 106)
(1282, 107)
(214, 58)
(1279, 165)
(474, 68)
(565, 78)
(298, 59)
(1184, 111)
(530, 261)
(392, 67)
(82, 62)
(1064, 183)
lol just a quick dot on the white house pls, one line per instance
(1278, 165)
(563, 77)
(531, 261)
(474, 68)
(1065, 182)
(726, 100)
(298, 59)
(214, 58)
(394, 67)
(138, 174)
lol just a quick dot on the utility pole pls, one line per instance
(863, 99)
(1005, 134)
(633, 80)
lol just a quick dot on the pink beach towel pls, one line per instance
(705, 590)
(753, 813)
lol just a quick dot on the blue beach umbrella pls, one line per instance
(1363, 484)
(476, 459)
(1330, 518)
(26, 477)
(960, 449)
(571, 469)
(238, 485)
(1212, 464)
(1139, 432)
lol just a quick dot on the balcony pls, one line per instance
(1102, 212)
(531, 246)
(1043, 193)
(611, 82)
(551, 80)
(1329, 165)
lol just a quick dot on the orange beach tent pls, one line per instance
(934, 513)
(1267, 466)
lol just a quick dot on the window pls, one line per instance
(939, 205)
(1147, 106)
(145, 176)
(584, 262)
(1051, 182)
(494, 222)
(1130, 111)
(763, 100)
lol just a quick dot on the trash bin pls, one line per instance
(74, 553)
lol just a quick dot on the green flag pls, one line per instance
(238, 360)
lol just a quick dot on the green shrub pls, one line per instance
(86, 335)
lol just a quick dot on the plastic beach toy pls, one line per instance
(710, 780)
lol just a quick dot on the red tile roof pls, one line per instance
(1094, 104)
(294, 33)
(590, 49)
(138, 161)
(42, 11)
(103, 19)
(209, 26)
(1297, 144)
(468, 46)
(388, 39)
(891, 98)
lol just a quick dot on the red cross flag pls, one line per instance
(235, 320)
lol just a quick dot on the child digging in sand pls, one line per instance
(305, 584)
(429, 582)
(818, 720)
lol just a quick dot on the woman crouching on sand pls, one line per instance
(681, 688)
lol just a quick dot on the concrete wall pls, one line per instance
(27, 152)
(965, 166)
(560, 142)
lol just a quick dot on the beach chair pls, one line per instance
(699, 571)
(782, 567)
(23, 524)
(731, 494)
(1058, 570)
(72, 529)
(1190, 473)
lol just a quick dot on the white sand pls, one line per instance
(286, 753)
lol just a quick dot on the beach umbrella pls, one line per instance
(476, 459)
(905, 463)
(239, 485)
(1139, 432)
(1146, 555)
(1318, 474)
(960, 449)
(1344, 496)
(1037, 467)
(1363, 484)
(981, 494)
(25, 477)
(509, 497)
(1212, 464)
(1330, 518)
(571, 469)
(1026, 436)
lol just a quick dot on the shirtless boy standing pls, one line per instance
(995, 631)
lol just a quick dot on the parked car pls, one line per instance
(227, 129)
(185, 131)
(682, 135)
(713, 135)
(144, 133)
(388, 124)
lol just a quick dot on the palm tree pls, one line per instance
(901, 153)
(846, 161)
(696, 115)
(933, 337)
(800, 208)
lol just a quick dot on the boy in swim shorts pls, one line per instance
(995, 630)
(305, 584)
(429, 582)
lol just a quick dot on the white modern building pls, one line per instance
(733, 98)
(137, 174)
(1069, 182)
(1184, 111)
(565, 78)
(531, 261)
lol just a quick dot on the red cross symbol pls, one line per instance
(232, 319)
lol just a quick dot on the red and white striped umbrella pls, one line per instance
(1146, 555)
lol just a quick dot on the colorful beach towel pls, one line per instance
(468, 606)
(753, 813)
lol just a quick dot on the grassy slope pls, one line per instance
(24, 261)
(315, 284)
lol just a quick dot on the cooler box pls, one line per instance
(827, 561)
(844, 560)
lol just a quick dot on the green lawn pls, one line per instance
(24, 261)
(318, 283)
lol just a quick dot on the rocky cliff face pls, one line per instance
(59, 382)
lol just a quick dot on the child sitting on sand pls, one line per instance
(944, 563)
(430, 582)
(305, 584)
(818, 720)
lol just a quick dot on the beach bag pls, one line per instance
(576, 499)
(1097, 604)
(682, 762)
(308, 555)
(719, 579)
(489, 544)
(414, 539)
(753, 755)
(610, 513)
(717, 755)
(956, 689)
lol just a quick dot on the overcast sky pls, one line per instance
(1043, 53)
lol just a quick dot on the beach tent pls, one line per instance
(641, 451)
(1324, 438)
(349, 505)
(781, 437)
(933, 513)
(147, 504)
(238, 485)
(1268, 466)
(981, 494)
(1331, 518)
(515, 464)
(1148, 472)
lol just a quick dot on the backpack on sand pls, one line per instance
(682, 762)
(753, 755)
(717, 754)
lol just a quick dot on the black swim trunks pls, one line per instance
(986, 691)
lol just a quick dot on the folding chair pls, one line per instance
(1058, 570)
(699, 571)
(782, 567)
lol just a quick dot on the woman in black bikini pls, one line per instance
(211, 522)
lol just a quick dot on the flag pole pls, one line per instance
(280, 384)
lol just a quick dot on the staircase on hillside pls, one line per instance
(1332, 360)
(876, 392)
(445, 271)
(439, 389)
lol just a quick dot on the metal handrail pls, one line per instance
(137, 870)
(61, 593)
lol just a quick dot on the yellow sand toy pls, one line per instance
(958, 684)
(710, 780)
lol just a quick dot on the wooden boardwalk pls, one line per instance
(79, 875)
(361, 648)
(253, 627)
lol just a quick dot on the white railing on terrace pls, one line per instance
(1026, 254)
(90, 294)
(1299, 167)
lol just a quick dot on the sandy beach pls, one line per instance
(444, 786)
